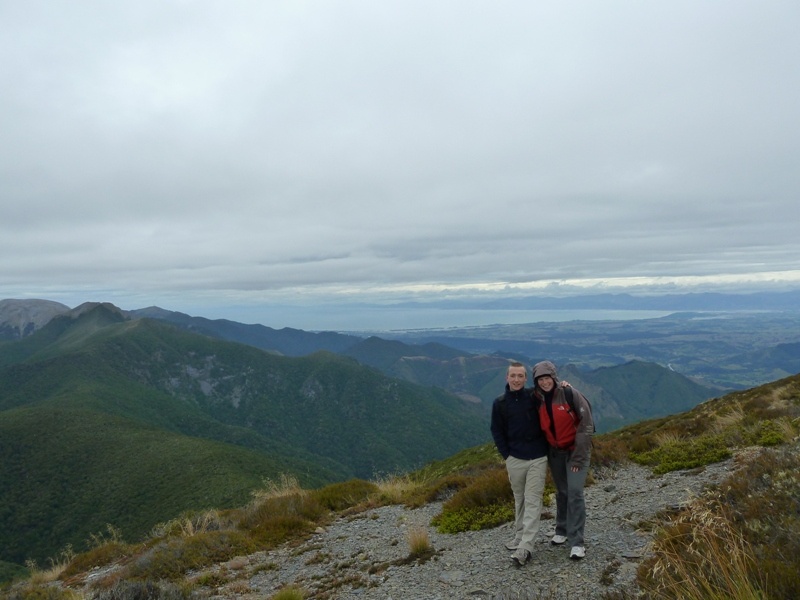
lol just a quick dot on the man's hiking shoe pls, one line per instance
(520, 557)
(577, 552)
(557, 540)
(513, 544)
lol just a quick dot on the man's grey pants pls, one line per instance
(570, 505)
(527, 483)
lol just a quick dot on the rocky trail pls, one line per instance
(366, 556)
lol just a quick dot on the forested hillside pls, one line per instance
(106, 420)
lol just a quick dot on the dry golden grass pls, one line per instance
(57, 566)
(783, 396)
(286, 485)
(700, 556)
(728, 419)
(191, 524)
(665, 438)
(290, 592)
(397, 489)
(419, 542)
(787, 427)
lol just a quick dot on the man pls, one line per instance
(519, 439)
(568, 428)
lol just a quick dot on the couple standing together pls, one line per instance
(536, 427)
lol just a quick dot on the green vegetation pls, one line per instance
(487, 501)
(290, 592)
(97, 407)
(739, 540)
(138, 590)
(764, 416)
(684, 454)
(135, 422)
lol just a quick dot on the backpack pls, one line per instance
(571, 401)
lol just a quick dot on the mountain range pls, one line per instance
(112, 420)
(132, 417)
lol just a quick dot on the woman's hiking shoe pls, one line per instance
(557, 540)
(520, 557)
(513, 544)
(577, 552)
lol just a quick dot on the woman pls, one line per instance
(568, 427)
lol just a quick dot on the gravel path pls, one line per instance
(365, 557)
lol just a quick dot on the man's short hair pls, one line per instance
(516, 364)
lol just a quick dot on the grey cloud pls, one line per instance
(261, 146)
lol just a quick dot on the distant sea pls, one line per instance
(376, 319)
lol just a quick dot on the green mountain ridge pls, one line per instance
(132, 422)
(106, 419)
(620, 394)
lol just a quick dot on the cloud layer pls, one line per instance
(253, 151)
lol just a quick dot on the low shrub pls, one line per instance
(490, 487)
(272, 532)
(764, 500)
(99, 556)
(290, 592)
(144, 590)
(439, 489)
(487, 501)
(172, 558)
(688, 454)
(191, 523)
(473, 518)
(339, 496)
(10, 572)
(298, 504)
(771, 432)
(41, 592)
(608, 451)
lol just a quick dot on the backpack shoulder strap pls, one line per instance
(570, 399)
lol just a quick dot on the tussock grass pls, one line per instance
(149, 590)
(171, 559)
(348, 494)
(290, 592)
(732, 417)
(701, 556)
(666, 438)
(285, 485)
(32, 591)
(764, 503)
(99, 556)
(740, 541)
(608, 451)
(57, 566)
(105, 547)
(397, 489)
(192, 523)
(278, 518)
(419, 542)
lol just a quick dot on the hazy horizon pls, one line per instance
(476, 311)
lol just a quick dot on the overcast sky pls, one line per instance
(215, 154)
